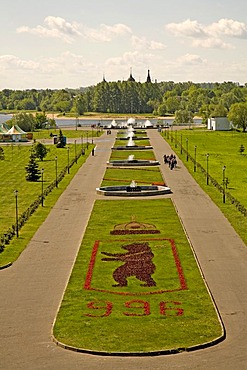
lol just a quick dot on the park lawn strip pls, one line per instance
(141, 175)
(13, 177)
(99, 319)
(82, 134)
(138, 154)
(223, 149)
(138, 143)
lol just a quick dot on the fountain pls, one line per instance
(132, 145)
(133, 190)
(131, 161)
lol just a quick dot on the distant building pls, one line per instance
(219, 124)
(131, 78)
(148, 77)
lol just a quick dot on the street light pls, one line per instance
(207, 155)
(75, 153)
(181, 147)
(68, 158)
(195, 160)
(224, 183)
(42, 187)
(187, 153)
(92, 134)
(87, 139)
(16, 214)
(176, 138)
(56, 171)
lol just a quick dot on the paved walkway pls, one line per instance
(31, 290)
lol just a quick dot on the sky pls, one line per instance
(59, 44)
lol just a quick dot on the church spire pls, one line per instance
(148, 77)
(131, 78)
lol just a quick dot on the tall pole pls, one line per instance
(92, 134)
(187, 153)
(16, 214)
(75, 153)
(207, 155)
(87, 139)
(68, 158)
(56, 171)
(224, 183)
(195, 160)
(181, 147)
(42, 187)
(176, 138)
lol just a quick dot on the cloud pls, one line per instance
(143, 43)
(191, 59)
(209, 36)
(187, 28)
(54, 27)
(106, 33)
(130, 58)
(228, 27)
(11, 62)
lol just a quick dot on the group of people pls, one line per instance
(170, 160)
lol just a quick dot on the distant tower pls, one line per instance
(104, 80)
(131, 78)
(148, 77)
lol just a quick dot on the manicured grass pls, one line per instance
(223, 149)
(138, 154)
(82, 134)
(98, 316)
(142, 176)
(12, 176)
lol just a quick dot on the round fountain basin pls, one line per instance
(132, 163)
(129, 191)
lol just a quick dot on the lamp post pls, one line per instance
(176, 138)
(68, 158)
(207, 155)
(42, 187)
(187, 153)
(195, 160)
(181, 147)
(56, 171)
(224, 183)
(16, 214)
(87, 139)
(92, 134)
(171, 133)
(75, 153)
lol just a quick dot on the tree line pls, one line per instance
(183, 99)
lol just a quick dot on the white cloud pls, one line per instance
(128, 59)
(209, 36)
(187, 28)
(143, 43)
(191, 59)
(106, 33)
(54, 27)
(228, 27)
(212, 43)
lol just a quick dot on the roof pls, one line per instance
(16, 130)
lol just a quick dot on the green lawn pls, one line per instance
(176, 312)
(223, 150)
(12, 177)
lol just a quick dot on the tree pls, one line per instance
(25, 121)
(61, 142)
(32, 169)
(238, 115)
(241, 149)
(1, 154)
(40, 151)
(40, 119)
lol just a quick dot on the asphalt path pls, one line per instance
(32, 288)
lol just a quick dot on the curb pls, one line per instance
(165, 352)
(6, 266)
